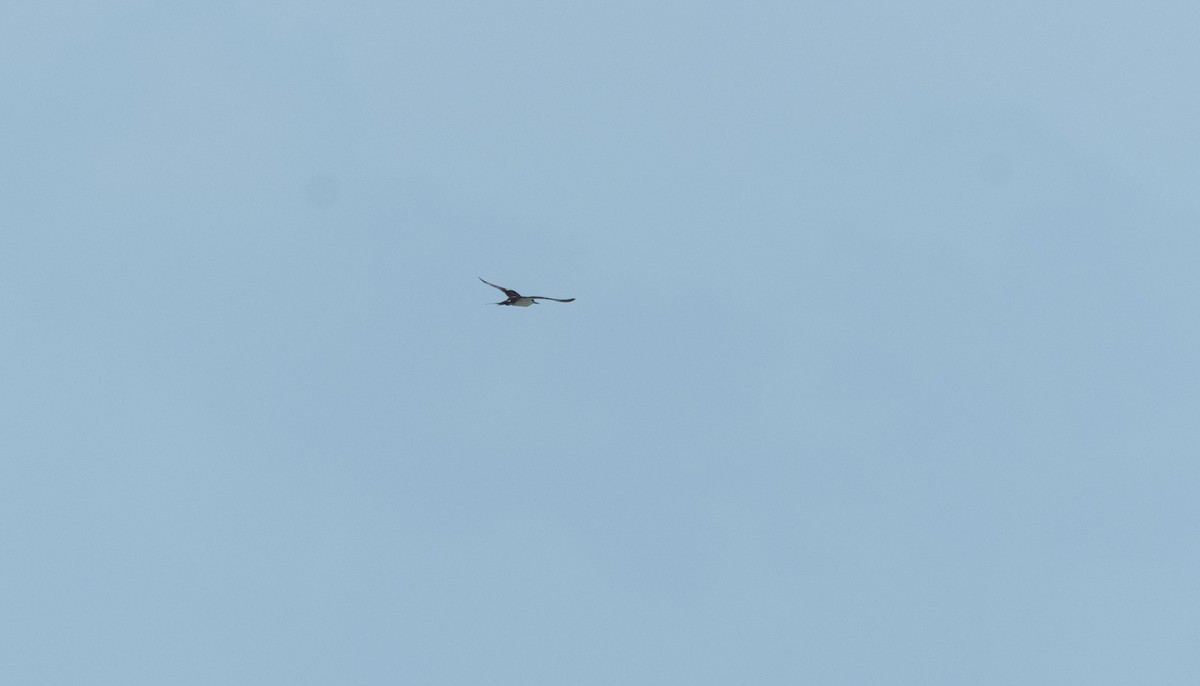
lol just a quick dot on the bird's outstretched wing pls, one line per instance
(507, 291)
(561, 300)
(501, 288)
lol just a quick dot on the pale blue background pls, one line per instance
(883, 368)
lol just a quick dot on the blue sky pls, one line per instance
(882, 367)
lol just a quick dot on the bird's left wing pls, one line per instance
(499, 288)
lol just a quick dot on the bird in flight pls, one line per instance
(516, 299)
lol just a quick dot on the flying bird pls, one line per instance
(516, 299)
